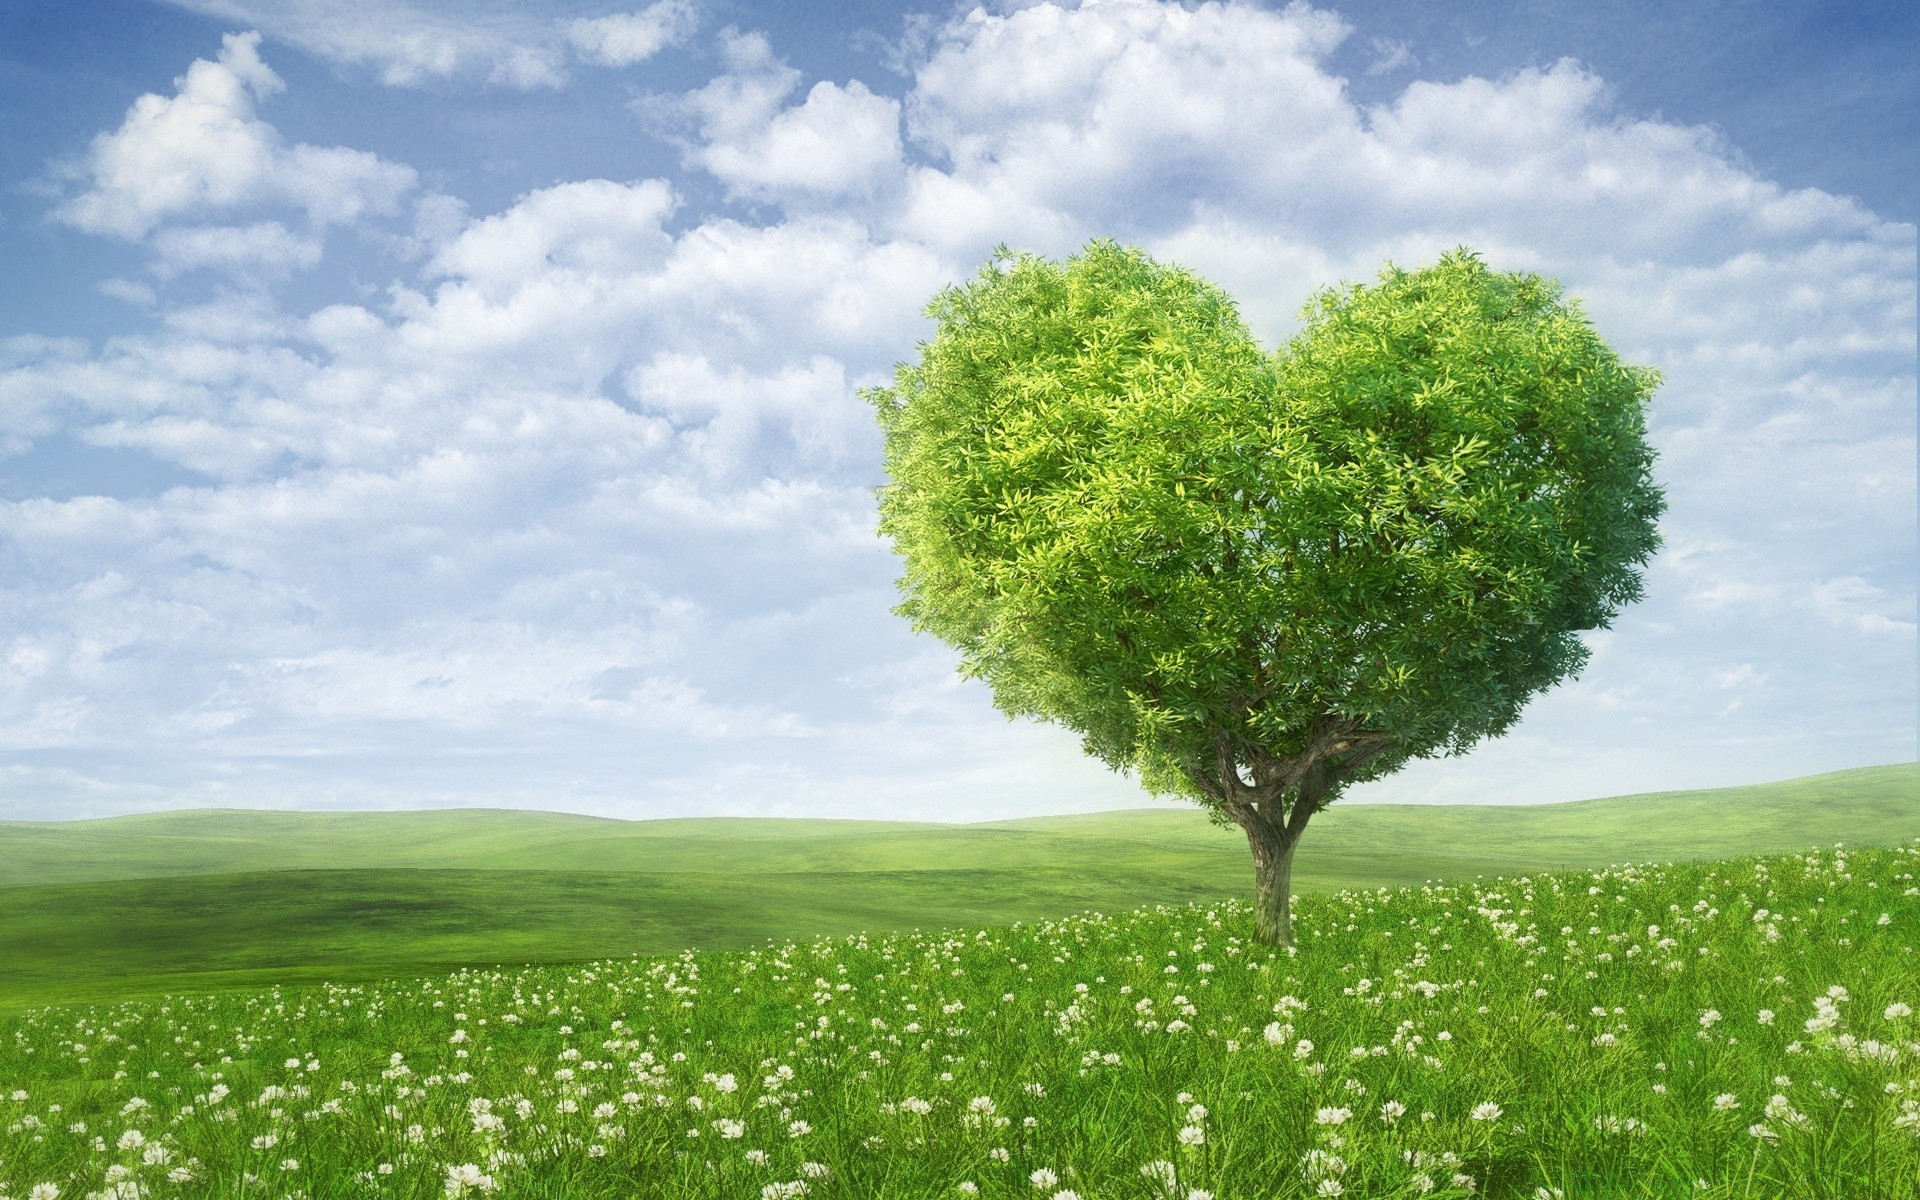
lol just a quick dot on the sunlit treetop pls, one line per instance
(1229, 569)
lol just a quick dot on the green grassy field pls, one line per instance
(208, 899)
(1728, 1030)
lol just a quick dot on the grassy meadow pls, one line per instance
(212, 899)
(1484, 1002)
(1740, 1028)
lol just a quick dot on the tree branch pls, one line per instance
(1306, 801)
(1363, 751)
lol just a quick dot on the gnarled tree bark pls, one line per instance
(1272, 881)
(1274, 807)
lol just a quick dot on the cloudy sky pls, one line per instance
(414, 403)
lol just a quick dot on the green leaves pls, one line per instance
(1132, 521)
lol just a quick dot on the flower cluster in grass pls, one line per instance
(1722, 1029)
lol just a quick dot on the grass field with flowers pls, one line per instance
(1740, 1028)
(204, 900)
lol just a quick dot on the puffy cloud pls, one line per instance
(825, 281)
(202, 152)
(1139, 120)
(738, 423)
(1116, 118)
(1543, 156)
(839, 142)
(590, 228)
(623, 39)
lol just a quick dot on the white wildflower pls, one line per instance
(466, 1177)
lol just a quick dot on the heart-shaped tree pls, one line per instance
(1253, 579)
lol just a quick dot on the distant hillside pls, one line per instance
(1397, 842)
(206, 899)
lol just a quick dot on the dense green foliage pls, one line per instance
(199, 900)
(1717, 1030)
(1227, 569)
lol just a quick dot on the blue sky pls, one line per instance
(410, 404)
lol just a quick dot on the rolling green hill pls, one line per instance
(212, 898)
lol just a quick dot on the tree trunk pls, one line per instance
(1273, 830)
(1272, 881)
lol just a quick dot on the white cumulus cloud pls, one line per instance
(202, 152)
(839, 142)
(623, 39)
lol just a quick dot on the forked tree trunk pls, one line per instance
(1272, 883)
(1273, 828)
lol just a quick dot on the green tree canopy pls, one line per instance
(1249, 578)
